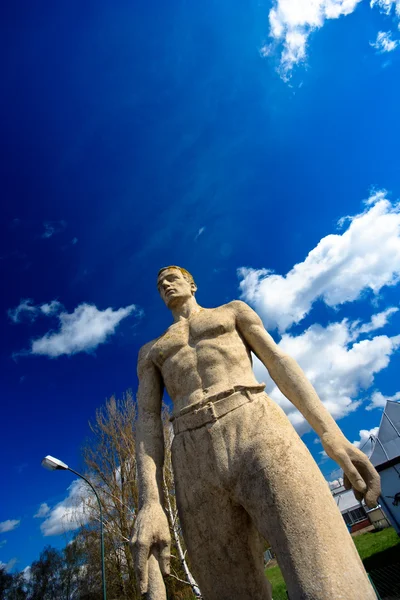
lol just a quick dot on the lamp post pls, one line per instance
(54, 464)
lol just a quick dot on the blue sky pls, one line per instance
(219, 137)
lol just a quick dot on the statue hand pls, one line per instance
(151, 533)
(358, 471)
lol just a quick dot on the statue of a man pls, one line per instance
(242, 473)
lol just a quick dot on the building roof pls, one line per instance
(387, 442)
(345, 499)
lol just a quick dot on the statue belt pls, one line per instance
(214, 408)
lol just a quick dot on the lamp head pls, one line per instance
(53, 464)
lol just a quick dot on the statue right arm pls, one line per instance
(151, 530)
(359, 473)
(150, 437)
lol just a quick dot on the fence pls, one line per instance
(386, 581)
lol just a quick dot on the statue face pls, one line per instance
(174, 288)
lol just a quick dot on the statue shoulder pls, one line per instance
(244, 315)
(238, 306)
(237, 310)
(145, 350)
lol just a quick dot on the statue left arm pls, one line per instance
(291, 380)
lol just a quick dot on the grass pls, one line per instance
(376, 549)
(375, 542)
(278, 585)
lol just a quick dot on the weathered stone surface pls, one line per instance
(241, 471)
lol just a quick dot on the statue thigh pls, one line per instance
(224, 547)
(282, 489)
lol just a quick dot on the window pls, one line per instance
(347, 519)
(354, 516)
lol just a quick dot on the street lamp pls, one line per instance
(54, 464)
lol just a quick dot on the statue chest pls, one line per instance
(184, 338)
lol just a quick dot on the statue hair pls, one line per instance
(188, 276)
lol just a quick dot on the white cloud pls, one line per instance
(365, 443)
(9, 525)
(338, 366)
(292, 22)
(52, 228)
(378, 400)
(338, 362)
(42, 512)
(384, 42)
(70, 514)
(50, 308)
(335, 483)
(366, 256)
(26, 309)
(81, 331)
(386, 6)
(378, 321)
(266, 50)
(9, 565)
(200, 231)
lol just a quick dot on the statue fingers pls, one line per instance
(156, 586)
(353, 475)
(346, 482)
(371, 499)
(371, 478)
(359, 495)
(348, 486)
(165, 558)
(373, 487)
(141, 558)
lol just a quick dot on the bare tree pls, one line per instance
(109, 455)
(172, 511)
(110, 458)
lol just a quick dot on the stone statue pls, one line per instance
(242, 473)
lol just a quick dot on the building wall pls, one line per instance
(378, 518)
(390, 483)
(360, 525)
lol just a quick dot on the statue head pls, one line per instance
(175, 285)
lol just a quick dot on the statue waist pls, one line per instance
(215, 406)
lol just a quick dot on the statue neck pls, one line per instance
(186, 309)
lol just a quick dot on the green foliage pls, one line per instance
(12, 586)
(5, 582)
(46, 575)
